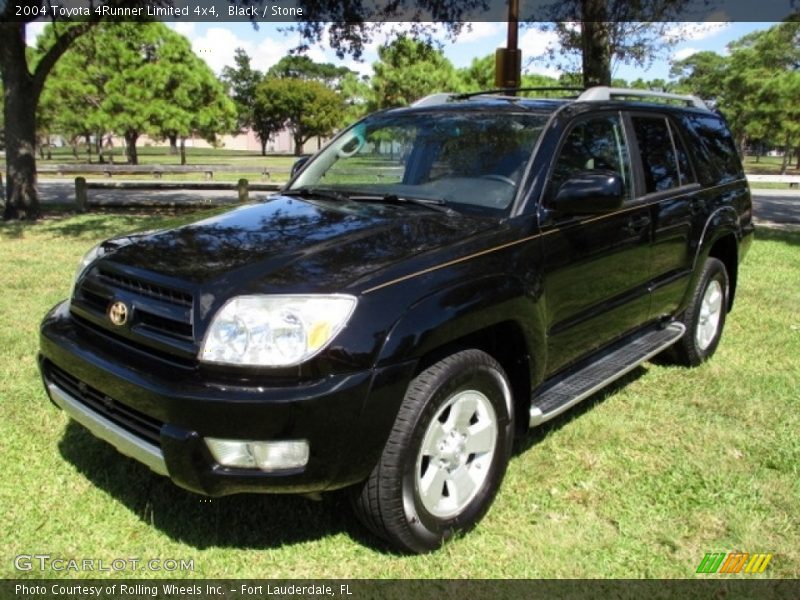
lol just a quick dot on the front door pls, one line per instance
(597, 267)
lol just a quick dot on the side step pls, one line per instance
(581, 384)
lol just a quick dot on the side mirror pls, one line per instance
(298, 164)
(590, 192)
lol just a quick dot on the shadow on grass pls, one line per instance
(769, 234)
(103, 222)
(534, 436)
(245, 521)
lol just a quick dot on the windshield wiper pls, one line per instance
(306, 192)
(432, 203)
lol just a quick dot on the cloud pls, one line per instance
(480, 30)
(183, 27)
(692, 32)
(535, 43)
(33, 31)
(217, 47)
(684, 53)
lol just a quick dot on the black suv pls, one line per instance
(432, 282)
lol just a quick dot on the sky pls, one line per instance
(216, 43)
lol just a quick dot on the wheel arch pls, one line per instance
(720, 240)
(493, 314)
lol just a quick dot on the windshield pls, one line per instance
(470, 161)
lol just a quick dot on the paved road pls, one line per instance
(769, 206)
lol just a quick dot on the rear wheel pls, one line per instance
(705, 316)
(445, 457)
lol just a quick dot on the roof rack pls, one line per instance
(519, 89)
(443, 98)
(601, 93)
(434, 99)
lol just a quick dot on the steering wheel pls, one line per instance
(500, 178)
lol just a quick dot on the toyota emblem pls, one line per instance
(118, 313)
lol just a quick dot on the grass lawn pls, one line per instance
(769, 165)
(639, 481)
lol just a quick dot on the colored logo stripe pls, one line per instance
(734, 562)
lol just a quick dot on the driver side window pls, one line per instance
(593, 144)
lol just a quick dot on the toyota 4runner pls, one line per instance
(432, 282)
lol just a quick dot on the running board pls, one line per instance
(581, 384)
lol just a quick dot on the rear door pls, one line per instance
(597, 267)
(668, 184)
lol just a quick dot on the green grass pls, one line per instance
(639, 481)
(769, 165)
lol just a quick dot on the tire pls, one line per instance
(445, 457)
(704, 317)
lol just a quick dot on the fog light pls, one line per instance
(266, 456)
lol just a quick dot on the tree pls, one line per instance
(70, 100)
(242, 81)
(22, 85)
(23, 81)
(756, 86)
(136, 78)
(409, 69)
(479, 75)
(302, 67)
(308, 108)
(701, 74)
(191, 100)
(601, 32)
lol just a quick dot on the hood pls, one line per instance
(294, 244)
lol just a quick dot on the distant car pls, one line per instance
(428, 285)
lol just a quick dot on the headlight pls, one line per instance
(274, 331)
(87, 260)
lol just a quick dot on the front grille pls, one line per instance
(109, 336)
(145, 288)
(126, 417)
(161, 319)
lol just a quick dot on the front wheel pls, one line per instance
(445, 457)
(705, 316)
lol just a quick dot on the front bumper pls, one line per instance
(159, 413)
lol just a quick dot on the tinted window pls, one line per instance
(593, 144)
(717, 160)
(471, 160)
(684, 168)
(659, 160)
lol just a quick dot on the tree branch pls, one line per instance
(60, 46)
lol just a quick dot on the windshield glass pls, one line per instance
(471, 161)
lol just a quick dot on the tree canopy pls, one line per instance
(306, 107)
(409, 69)
(135, 79)
(756, 86)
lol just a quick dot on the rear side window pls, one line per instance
(664, 159)
(717, 160)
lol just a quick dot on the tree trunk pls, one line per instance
(787, 151)
(89, 147)
(130, 147)
(298, 144)
(19, 110)
(595, 43)
(21, 90)
(183, 150)
(173, 143)
(263, 147)
(98, 147)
